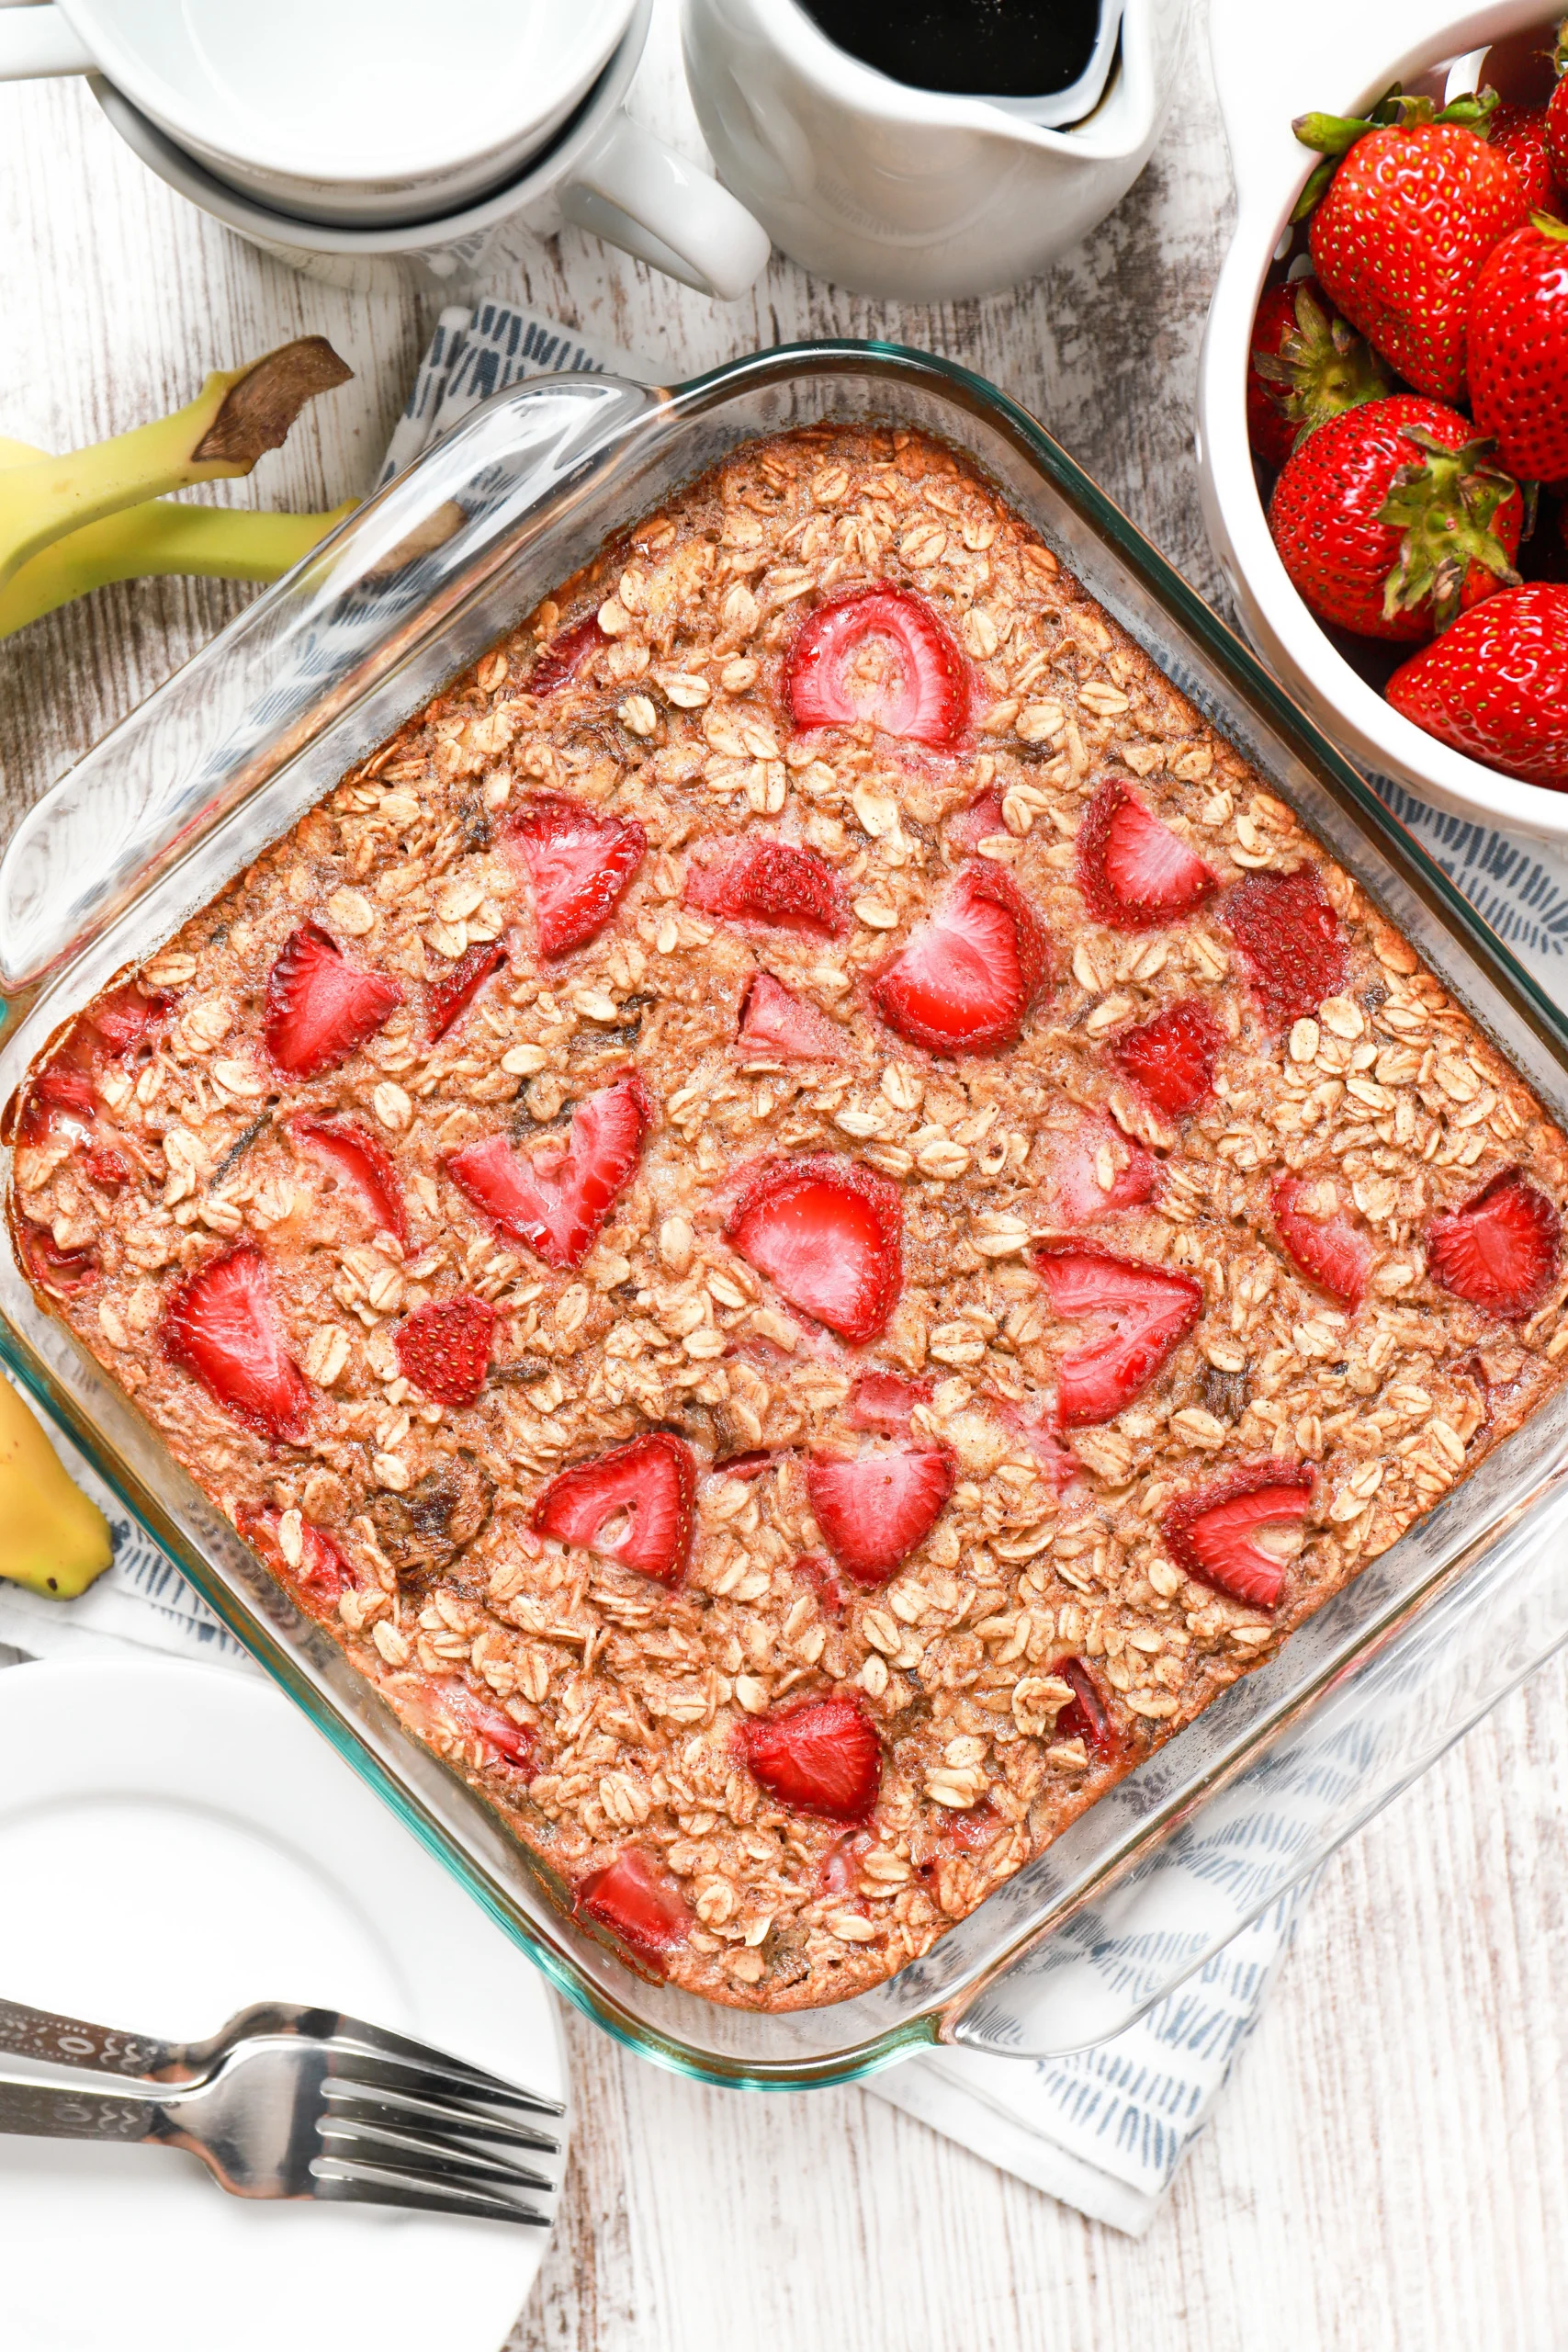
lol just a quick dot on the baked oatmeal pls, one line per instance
(803, 1217)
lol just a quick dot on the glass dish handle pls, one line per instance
(294, 662)
(1374, 1733)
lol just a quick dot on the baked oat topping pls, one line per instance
(804, 1216)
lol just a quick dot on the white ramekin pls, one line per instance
(1341, 56)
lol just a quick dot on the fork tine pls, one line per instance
(397, 2078)
(475, 2080)
(439, 2159)
(344, 2093)
(352, 2184)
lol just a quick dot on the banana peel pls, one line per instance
(51, 1538)
(238, 414)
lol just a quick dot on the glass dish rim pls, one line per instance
(667, 407)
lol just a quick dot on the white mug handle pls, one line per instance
(35, 43)
(636, 193)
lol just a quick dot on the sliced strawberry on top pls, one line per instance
(1035, 1423)
(774, 1023)
(1290, 941)
(450, 998)
(965, 979)
(1331, 1249)
(557, 1200)
(323, 1570)
(444, 1348)
(119, 1021)
(565, 655)
(638, 1902)
(320, 1007)
(1135, 873)
(635, 1504)
(514, 1743)
(1212, 1531)
(882, 655)
(59, 1272)
(59, 1100)
(364, 1163)
(1085, 1716)
(823, 1757)
(1502, 1250)
(1137, 1316)
(873, 1511)
(829, 1234)
(981, 821)
(765, 881)
(885, 1400)
(1171, 1059)
(220, 1326)
(1097, 1170)
(579, 864)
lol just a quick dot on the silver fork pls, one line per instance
(287, 2117)
(60, 2041)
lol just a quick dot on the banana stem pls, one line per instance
(237, 414)
(210, 542)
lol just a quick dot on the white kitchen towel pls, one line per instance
(1104, 2129)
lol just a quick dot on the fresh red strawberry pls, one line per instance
(1073, 1194)
(1171, 1059)
(773, 1024)
(1501, 1250)
(118, 1023)
(444, 1348)
(1518, 350)
(1557, 122)
(1409, 215)
(639, 1902)
(1085, 1716)
(1212, 1531)
(982, 821)
(635, 1504)
(322, 1571)
(885, 1400)
(1307, 365)
(1136, 1316)
(1133, 872)
(579, 865)
(1496, 685)
(1394, 517)
(363, 1163)
(1332, 1250)
(965, 979)
(816, 1569)
(882, 655)
(320, 1008)
(823, 1757)
(62, 1273)
(1290, 941)
(557, 1199)
(220, 1326)
(565, 655)
(450, 998)
(874, 1511)
(765, 881)
(1519, 133)
(828, 1233)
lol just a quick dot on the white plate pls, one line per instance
(177, 1840)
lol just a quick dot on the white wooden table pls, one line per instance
(1389, 2167)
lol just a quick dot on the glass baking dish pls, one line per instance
(224, 757)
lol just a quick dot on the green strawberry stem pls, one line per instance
(1332, 136)
(1445, 505)
(1323, 368)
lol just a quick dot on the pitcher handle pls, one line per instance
(636, 193)
(36, 42)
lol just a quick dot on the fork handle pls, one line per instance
(71, 2042)
(57, 2112)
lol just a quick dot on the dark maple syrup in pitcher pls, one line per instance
(1000, 48)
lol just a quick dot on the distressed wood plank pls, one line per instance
(1389, 2167)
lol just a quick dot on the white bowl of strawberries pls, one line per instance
(1382, 425)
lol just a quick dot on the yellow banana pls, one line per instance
(238, 414)
(51, 1537)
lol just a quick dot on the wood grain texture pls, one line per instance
(1389, 2167)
